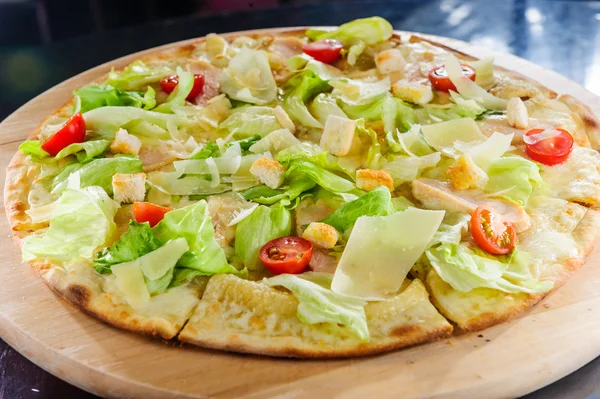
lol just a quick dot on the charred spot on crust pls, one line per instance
(590, 121)
(404, 330)
(78, 294)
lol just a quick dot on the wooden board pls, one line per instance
(552, 340)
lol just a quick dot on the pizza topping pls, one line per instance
(327, 51)
(286, 255)
(548, 146)
(441, 81)
(73, 131)
(147, 212)
(169, 84)
(516, 113)
(491, 232)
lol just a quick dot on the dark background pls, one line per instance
(45, 42)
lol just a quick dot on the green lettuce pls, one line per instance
(393, 112)
(138, 240)
(275, 142)
(194, 223)
(178, 96)
(82, 221)
(97, 96)
(368, 30)
(83, 151)
(354, 92)
(318, 304)
(173, 183)
(298, 184)
(466, 269)
(513, 178)
(451, 230)
(405, 168)
(248, 78)
(324, 105)
(34, 149)
(98, 172)
(263, 225)
(377, 202)
(248, 121)
(137, 75)
(315, 154)
(410, 143)
(324, 178)
(299, 90)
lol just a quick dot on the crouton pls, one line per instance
(125, 143)
(128, 188)
(412, 92)
(268, 171)
(516, 113)
(464, 174)
(338, 134)
(368, 179)
(388, 61)
(321, 235)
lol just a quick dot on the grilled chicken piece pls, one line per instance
(440, 195)
(212, 75)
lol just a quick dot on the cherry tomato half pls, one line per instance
(553, 149)
(73, 131)
(440, 81)
(491, 232)
(169, 83)
(147, 212)
(286, 255)
(326, 51)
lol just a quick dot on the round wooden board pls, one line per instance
(550, 341)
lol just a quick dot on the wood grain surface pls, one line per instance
(550, 341)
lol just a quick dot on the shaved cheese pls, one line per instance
(130, 281)
(157, 263)
(242, 214)
(443, 135)
(469, 89)
(214, 172)
(490, 150)
(543, 135)
(381, 251)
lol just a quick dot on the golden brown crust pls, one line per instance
(589, 120)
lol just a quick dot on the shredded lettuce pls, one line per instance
(97, 96)
(83, 151)
(82, 221)
(98, 172)
(461, 108)
(34, 149)
(138, 240)
(393, 112)
(299, 90)
(318, 304)
(357, 92)
(194, 223)
(275, 142)
(182, 90)
(248, 78)
(248, 121)
(298, 184)
(514, 177)
(263, 225)
(324, 105)
(407, 168)
(377, 202)
(451, 229)
(173, 184)
(317, 155)
(466, 269)
(324, 178)
(368, 30)
(137, 75)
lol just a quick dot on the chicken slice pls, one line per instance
(434, 194)
(211, 75)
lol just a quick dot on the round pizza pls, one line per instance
(308, 192)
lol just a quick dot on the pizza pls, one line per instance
(308, 192)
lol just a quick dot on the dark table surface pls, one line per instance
(45, 42)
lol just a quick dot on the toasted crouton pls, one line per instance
(388, 61)
(464, 174)
(128, 188)
(321, 234)
(412, 92)
(368, 179)
(338, 134)
(268, 171)
(516, 113)
(125, 143)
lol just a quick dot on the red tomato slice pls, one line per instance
(548, 146)
(286, 255)
(491, 232)
(440, 81)
(147, 212)
(73, 131)
(169, 83)
(326, 51)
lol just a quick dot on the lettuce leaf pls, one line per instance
(97, 96)
(298, 184)
(138, 240)
(466, 269)
(173, 184)
(451, 230)
(393, 112)
(315, 154)
(84, 151)
(194, 223)
(275, 142)
(514, 177)
(299, 90)
(377, 202)
(248, 121)
(324, 105)
(137, 75)
(405, 168)
(98, 172)
(82, 221)
(324, 178)
(356, 92)
(178, 96)
(318, 304)
(34, 149)
(368, 30)
(263, 225)
(248, 78)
